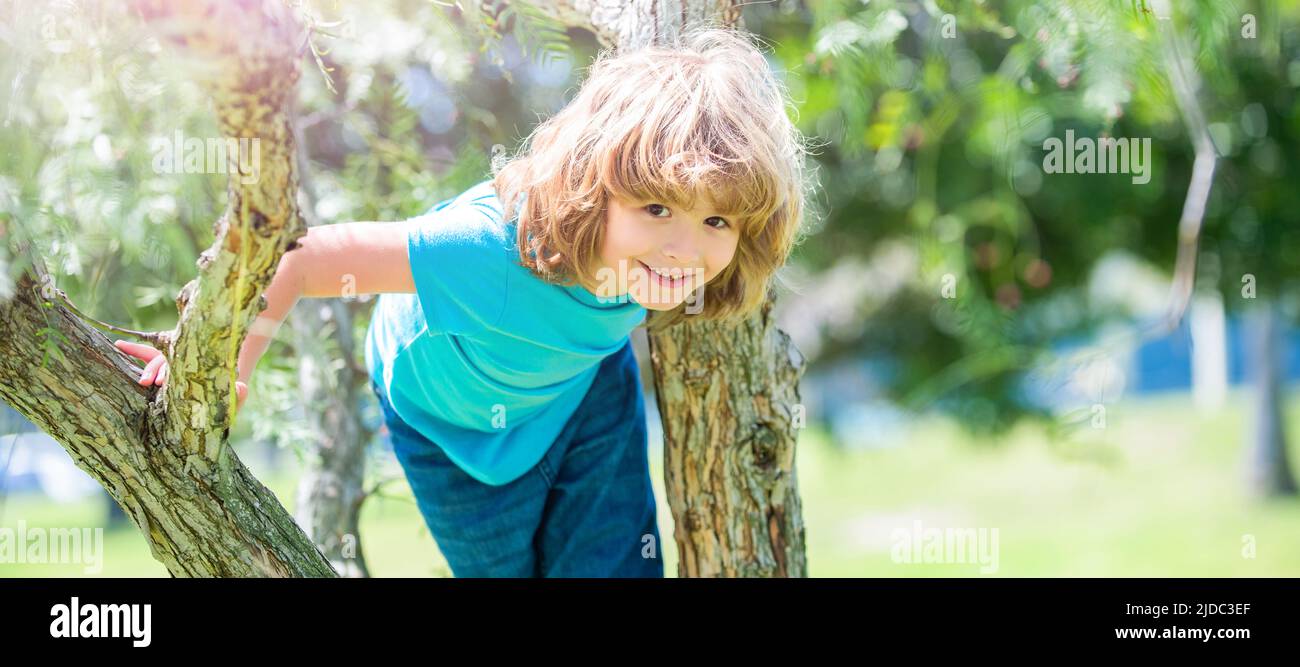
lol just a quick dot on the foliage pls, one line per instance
(938, 112)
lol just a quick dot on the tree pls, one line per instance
(164, 455)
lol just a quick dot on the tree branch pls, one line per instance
(155, 338)
(250, 50)
(162, 454)
(85, 396)
(1185, 82)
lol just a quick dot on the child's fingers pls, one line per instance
(138, 350)
(162, 375)
(241, 392)
(151, 368)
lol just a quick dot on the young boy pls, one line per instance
(499, 348)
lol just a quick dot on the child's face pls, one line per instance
(692, 245)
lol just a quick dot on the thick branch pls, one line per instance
(729, 402)
(85, 396)
(164, 459)
(251, 51)
(83, 377)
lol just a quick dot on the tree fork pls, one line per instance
(163, 455)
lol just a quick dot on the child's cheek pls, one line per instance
(716, 268)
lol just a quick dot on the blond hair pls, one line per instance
(702, 117)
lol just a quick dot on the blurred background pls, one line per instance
(984, 337)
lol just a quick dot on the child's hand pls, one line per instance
(155, 370)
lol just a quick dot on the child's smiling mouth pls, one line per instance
(665, 281)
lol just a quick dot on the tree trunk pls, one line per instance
(728, 396)
(729, 402)
(330, 491)
(1268, 470)
(164, 454)
(331, 488)
(199, 517)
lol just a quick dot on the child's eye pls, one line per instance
(653, 208)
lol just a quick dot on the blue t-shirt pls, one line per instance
(486, 359)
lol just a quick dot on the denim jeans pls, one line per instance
(585, 510)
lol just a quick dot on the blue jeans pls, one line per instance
(585, 510)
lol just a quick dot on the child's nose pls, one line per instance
(684, 248)
(683, 259)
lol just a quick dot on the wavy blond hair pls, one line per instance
(701, 117)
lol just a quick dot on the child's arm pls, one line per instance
(345, 259)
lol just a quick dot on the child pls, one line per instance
(499, 348)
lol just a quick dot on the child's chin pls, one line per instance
(655, 305)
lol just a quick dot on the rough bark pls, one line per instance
(727, 396)
(196, 521)
(728, 399)
(253, 48)
(164, 455)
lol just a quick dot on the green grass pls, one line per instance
(1160, 492)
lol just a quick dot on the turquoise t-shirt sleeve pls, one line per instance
(458, 262)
